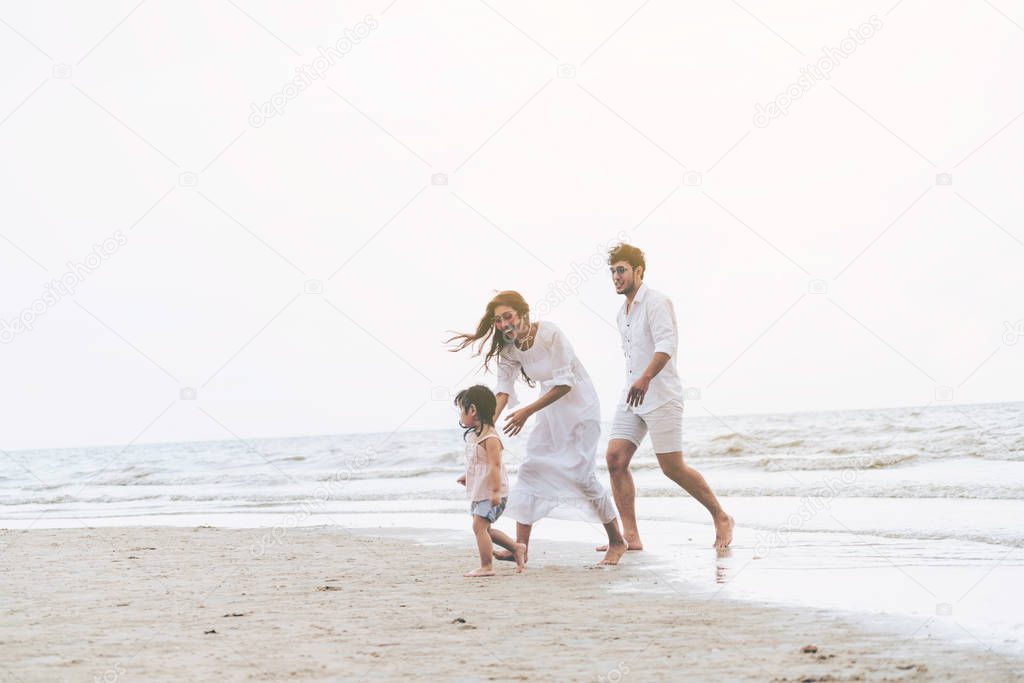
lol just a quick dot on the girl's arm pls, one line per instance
(493, 449)
(516, 419)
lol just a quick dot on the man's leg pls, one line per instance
(693, 482)
(666, 429)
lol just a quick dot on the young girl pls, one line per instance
(485, 479)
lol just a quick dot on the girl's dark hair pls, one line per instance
(485, 329)
(628, 253)
(486, 403)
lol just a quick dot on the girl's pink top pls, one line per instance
(477, 485)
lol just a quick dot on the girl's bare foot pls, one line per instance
(479, 572)
(723, 531)
(520, 557)
(614, 553)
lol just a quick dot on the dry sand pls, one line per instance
(131, 604)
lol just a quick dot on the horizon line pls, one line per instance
(437, 429)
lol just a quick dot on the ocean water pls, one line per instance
(915, 514)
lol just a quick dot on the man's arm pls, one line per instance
(638, 389)
(662, 319)
(657, 364)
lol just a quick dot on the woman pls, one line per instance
(557, 475)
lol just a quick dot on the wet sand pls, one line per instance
(120, 604)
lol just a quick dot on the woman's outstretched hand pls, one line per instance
(515, 420)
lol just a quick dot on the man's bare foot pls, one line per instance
(520, 557)
(723, 531)
(614, 553)
(479, 572)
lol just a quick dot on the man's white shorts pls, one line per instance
(664, 422)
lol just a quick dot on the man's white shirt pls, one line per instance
(650, 327)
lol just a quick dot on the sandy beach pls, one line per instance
(271, 273)
(121, 604)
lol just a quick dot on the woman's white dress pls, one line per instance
(556, 477)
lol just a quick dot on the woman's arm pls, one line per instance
(563, 379)
(505, 391)
(549, 397)
(516, 419)
(502, 402)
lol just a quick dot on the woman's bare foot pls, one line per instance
(479, 572)
(520, 557)
(509, 556)
(723, 531)
(632, 543)
(614, 553)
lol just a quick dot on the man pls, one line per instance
(652, 399)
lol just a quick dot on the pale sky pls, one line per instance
(816, 262)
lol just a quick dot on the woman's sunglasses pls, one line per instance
(504, 317)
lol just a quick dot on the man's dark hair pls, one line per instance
(628, 253)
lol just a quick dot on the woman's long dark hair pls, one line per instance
(485, 329)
